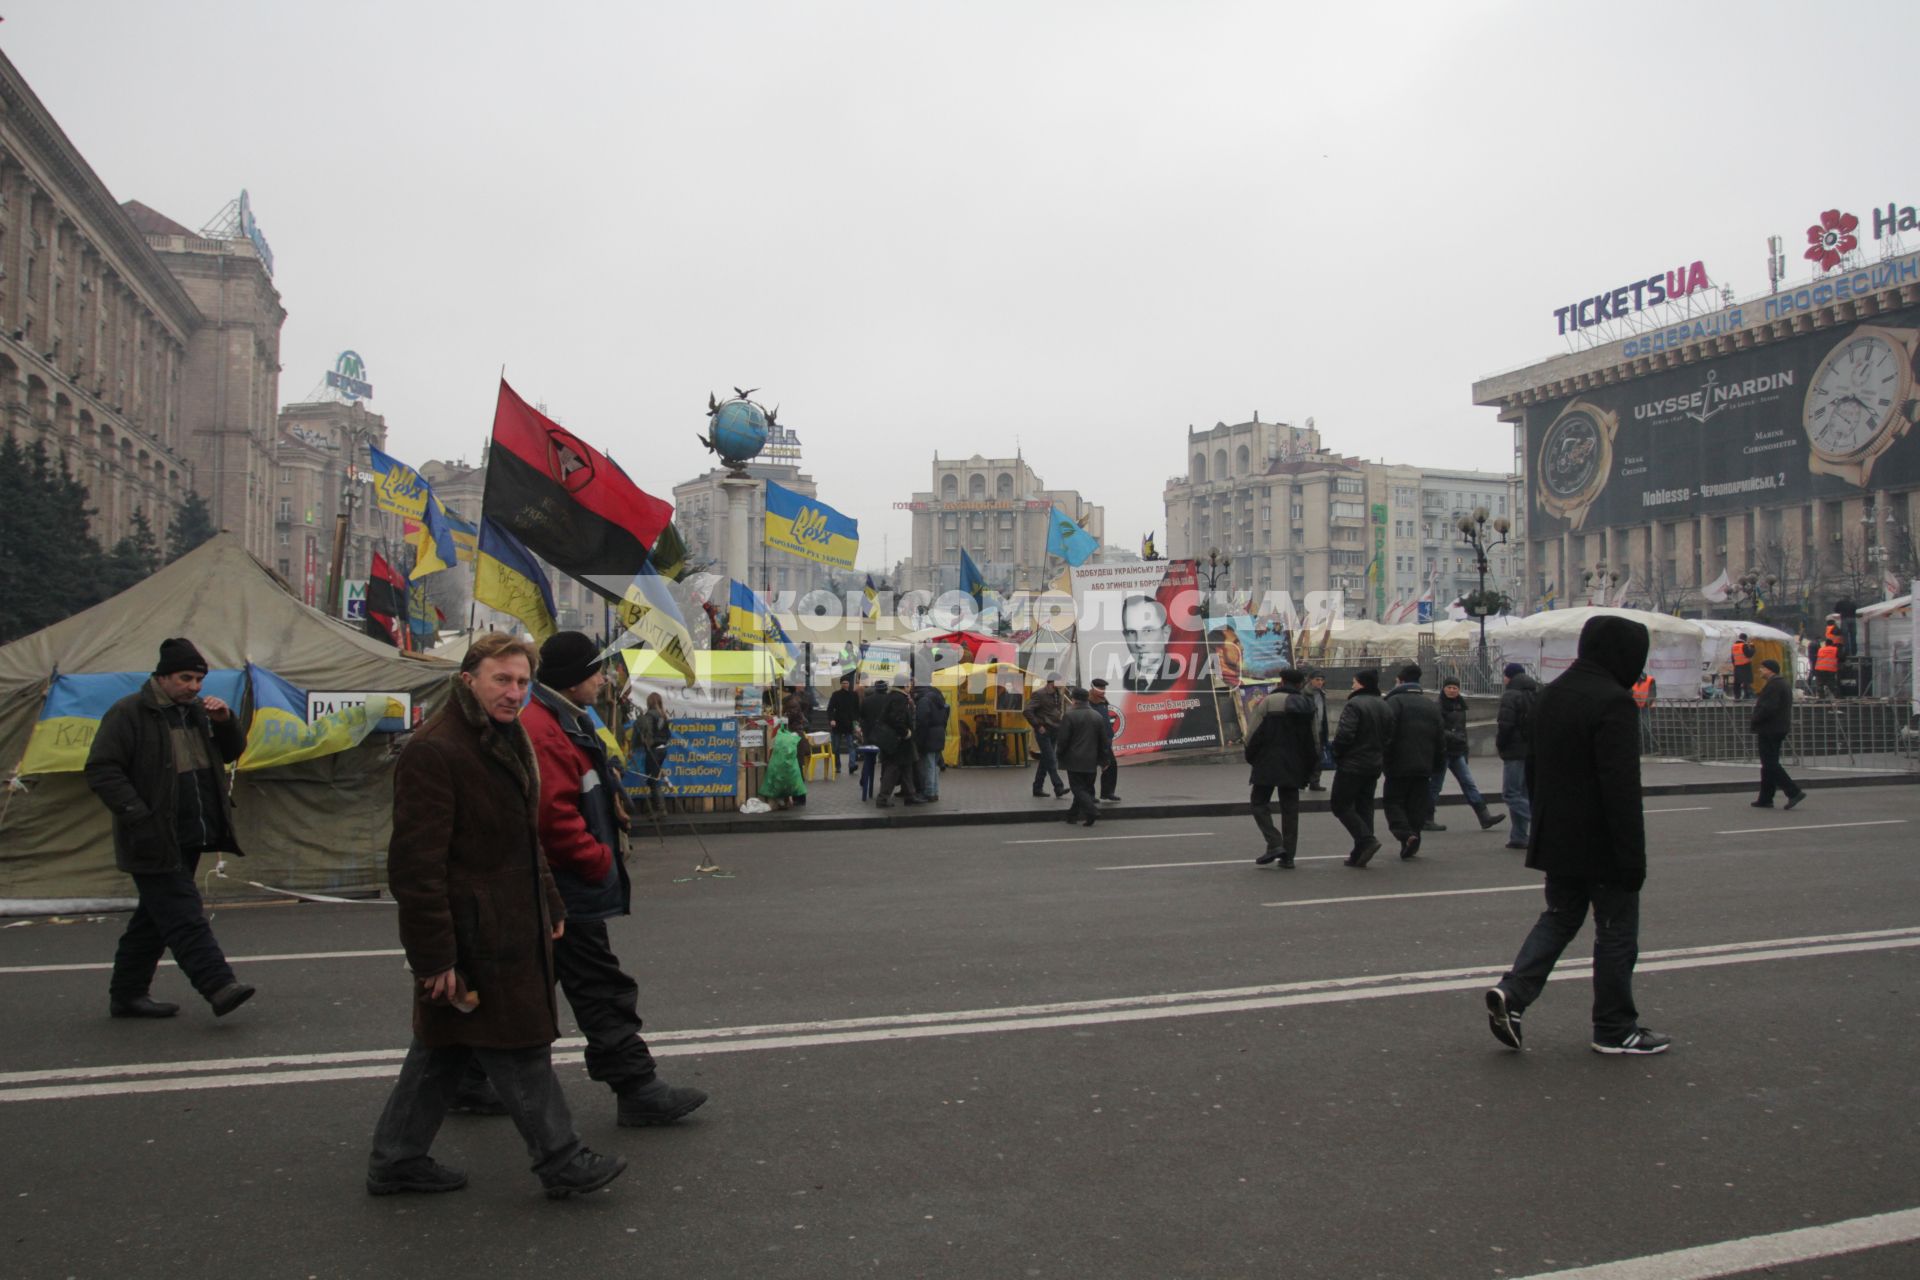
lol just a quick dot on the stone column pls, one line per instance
(739, 491)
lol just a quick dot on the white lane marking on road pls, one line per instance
(1735, 1257)
(290, 955)
(1164, 835)
(1698, 808)
(1384, 897)
(1815, 826)
(379, 1064)
(1218, 862)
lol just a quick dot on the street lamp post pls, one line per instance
(1473, 531)
(1747, 589)
(1217, 566)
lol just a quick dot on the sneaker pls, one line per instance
(1794, 800)
(658, 1102)
(229, 998)
(1503, 1021)
(422, 1174)
(1364, 854)
(1637, 1041)
(584, 1173)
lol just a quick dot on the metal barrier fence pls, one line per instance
(1850, 731)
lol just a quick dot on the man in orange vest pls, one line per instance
(1646, 691)
(1742, 667)
(1826, 668)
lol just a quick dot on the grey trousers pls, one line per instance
(428, 1079)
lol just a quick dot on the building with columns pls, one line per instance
(1771, 440)
(144, 355)
(319, 457)
(998, 510)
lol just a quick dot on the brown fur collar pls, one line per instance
(506, 743)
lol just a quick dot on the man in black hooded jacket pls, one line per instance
(1589, 836)
(1360, 747)
(1419, 751)
(1772, 721)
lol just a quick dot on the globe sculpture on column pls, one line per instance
(738, 430)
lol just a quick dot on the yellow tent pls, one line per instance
(986, 698)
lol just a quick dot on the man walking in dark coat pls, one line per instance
(1084, 742)
(1110, 771)
(1359, 756)
(478, 914)
(1044, 710)
(1317, 691)
(156, 763)
(1772, 721)
(1589, 836)
(1453, 726)
(930, 715)
(843, 717)
(1418, 752)
(886, 720)
(1283, 756)
(1511, 737)
(582, 826)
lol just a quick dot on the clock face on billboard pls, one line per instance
(1571, 455)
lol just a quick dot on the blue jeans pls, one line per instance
(1616, 947)
(1464, 775)
(1046, 766)
(1513, 789)
(930, 774)
(843, 749)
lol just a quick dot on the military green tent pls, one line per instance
(321, 826)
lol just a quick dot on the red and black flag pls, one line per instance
(566, 500)
(386, 602)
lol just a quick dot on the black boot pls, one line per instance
(657, 1102)
(1263, 819)
(1487, 820)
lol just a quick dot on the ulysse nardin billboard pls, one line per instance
(1822, 416)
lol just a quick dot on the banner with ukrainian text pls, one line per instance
(280, 734)
(809, 527)
(70, 716)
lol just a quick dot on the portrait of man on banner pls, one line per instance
(1140, 631)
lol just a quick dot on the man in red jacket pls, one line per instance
(580, 833)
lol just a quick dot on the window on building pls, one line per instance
(286, 475)
(1199, 473)
(976, 487)
(1349, 484)
(1242, 460)
(1349, 511)
(286, 509)
(286, 570)
(949, 487)
(1297, 511)
(1003, 486)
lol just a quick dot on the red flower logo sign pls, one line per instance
(1832, 239)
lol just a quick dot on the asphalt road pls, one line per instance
(1040, 1051)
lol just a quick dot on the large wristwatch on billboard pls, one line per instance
(1859, 401)
(1576, 457)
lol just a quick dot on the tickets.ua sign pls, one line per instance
(1619, 303)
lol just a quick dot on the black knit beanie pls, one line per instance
(1369, 679)
(178, 654)
(567, 659)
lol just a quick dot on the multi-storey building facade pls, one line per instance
(320, 456)
(1423, 545)
(998, 510)
(94, 329)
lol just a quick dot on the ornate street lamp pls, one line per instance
(1217, 565)
(1473, 531)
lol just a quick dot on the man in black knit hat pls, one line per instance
(157, 764)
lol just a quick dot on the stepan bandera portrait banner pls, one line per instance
(1140, 630)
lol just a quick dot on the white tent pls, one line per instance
(1716, 655)
(1547, 643)
(1885, 632)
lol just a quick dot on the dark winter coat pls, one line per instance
(1319, 699)
(1453, 724)
(465, 869)
(1084, 740)
(1281, 748)
(1419, 739)
(1584, 772)
(579, 819)
(1773, 710)
(886, 721)
(843, 711)
(131, 768)
(1045, 708)
(929, 719)
(1514, 730)
(1366, 731)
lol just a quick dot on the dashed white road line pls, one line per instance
(289, 955)
(1812, 826)
(1383, 897)
(1162, 835)
(1735, 1257)
(68, 1083)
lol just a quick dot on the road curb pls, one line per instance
(789, 820)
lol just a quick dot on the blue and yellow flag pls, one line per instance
(751, 622)
(1066, 539)
(397, 487)
(616, 754)
(440, 540)
(649, 612)
(971, 580)
(506, 577)
(70, 717)
(280, 735)
(809, 527)
(873, 599)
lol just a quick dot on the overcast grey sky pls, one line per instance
(957, 226)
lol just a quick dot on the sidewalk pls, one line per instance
(1208, 786)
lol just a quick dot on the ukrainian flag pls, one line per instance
(70, 717)
(648, 611)
(971, 580)
(809, 527)
(751, 623)
(397, 487)
(873, 599)
(441, 540)
(507, 578)
(616, 755)
(280, 735)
